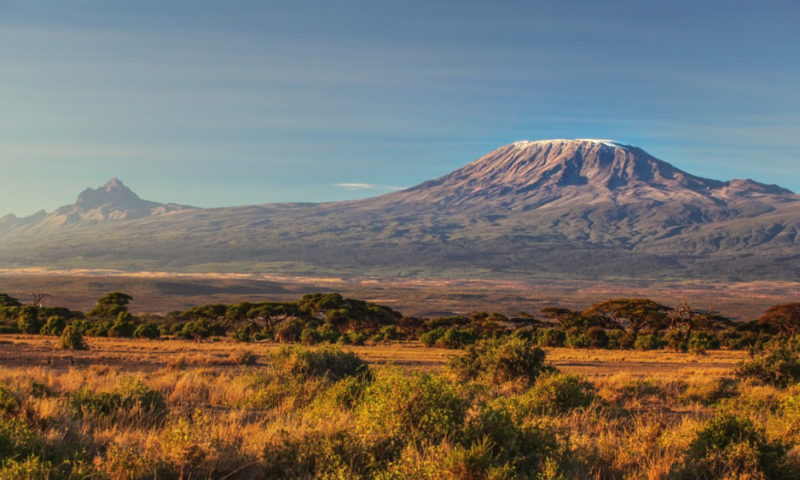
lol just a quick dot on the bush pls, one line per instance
(577, 340)
(17, 441)
(455, 338)
(328, 332)
(417, 408)
(551, 337)
(54, 326)
(645, 342)
(619, 339)
(732, 447)
(244, 357)
(353, 338)
(72, 339)
(29, 322)
(9, 403)
(98, 329)
(309, 336)
(779, 367)
(500, 361)
(699, 342)
(200, 328)
(676, 340)
(289, 331)
(429, 338)
(242, 334)
(597, 337)
(123, 327)
(555, 393)
(328, 362)
(147, 330)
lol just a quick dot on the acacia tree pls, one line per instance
(630, 314)
(563, 316)
(8, 301)
(111, 305)
(684, 316)
(786, 317)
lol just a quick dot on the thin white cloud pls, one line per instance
(355, 186)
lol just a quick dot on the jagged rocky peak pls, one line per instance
(113, 192)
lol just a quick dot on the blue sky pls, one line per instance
(243, 102)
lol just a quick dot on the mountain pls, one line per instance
(569, 208)
(110, 203)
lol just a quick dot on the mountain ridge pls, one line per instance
(585, 208)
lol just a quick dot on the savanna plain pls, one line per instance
(338, 388)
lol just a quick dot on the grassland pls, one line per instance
(154, 409)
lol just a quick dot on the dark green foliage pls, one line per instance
(598, 338)
(99, 329)
(17, 440)
(780, 366)
(429, 338)
(8, 301)
(676, 340)
(201, 328)
(455, 338)
(289, 331)
(328, 362)
(646, 342)
(553, 394)
(54, 326)
(499, 361)
(417, 408)
(551, 337)
(577, 340)
(629, 314)
(329, 333)
(699, 342)
(242, 334)
(72, 339)
(9, 329)
(111, 305)
(618, 339)
(147, 330)
(525, 447)
(123, 326)
(29, 321)
(310, 336)
(9, 403)
(732, 447)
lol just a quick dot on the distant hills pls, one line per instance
(581, 208)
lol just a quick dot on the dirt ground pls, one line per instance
(25, 351)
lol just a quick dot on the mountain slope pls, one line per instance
(582, 208)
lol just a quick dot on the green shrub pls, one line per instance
(72, 339)
(328, 332)
(577, 340)
(9, 329)
(9, 403)
(54, 326)
(29, 322)
(417, 408)
(676, 340)
(597, 337)
(551, 337)
(699, 342)
(779, 367)
(147, 330)
(242, 334)
(500, 360)
(390, 332)
(619, 339)
(310, 336)
(732, 447)
(429, 338)
(328, 455)
(29, 468)
(99, 329)
(555, 393)
(123, 326)
(645, 342)
(289, 330)
(17, 441)
(200, 328)
(455, 338)
(523, 446)
(329, 362)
